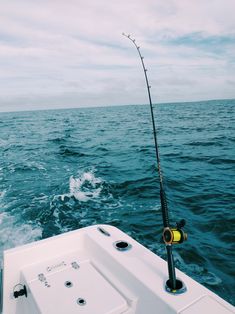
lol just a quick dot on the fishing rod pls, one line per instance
(170, 235)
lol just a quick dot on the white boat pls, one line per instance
(98, 270)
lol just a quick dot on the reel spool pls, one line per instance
(175, 235)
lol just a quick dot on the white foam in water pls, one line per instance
(2, 193)
(203, 275)
(84, 188)
(13, 234)
(211, 279)
(3, 142)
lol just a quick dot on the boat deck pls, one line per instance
(97, 270)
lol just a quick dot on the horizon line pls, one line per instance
(118, 105)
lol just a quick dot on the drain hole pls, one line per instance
(81, 301)
(68, 284)
(122, 245)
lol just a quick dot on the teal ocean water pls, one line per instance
(65, 169)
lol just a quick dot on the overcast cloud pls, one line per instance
(61, 54)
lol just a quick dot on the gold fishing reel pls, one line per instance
(175, 235)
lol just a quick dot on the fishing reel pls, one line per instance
(175, 235)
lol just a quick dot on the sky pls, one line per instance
(66, 54)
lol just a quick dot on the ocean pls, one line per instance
(66, 169)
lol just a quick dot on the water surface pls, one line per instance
(66, 169)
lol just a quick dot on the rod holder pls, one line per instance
(179, 289)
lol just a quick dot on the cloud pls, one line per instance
(72, 52)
